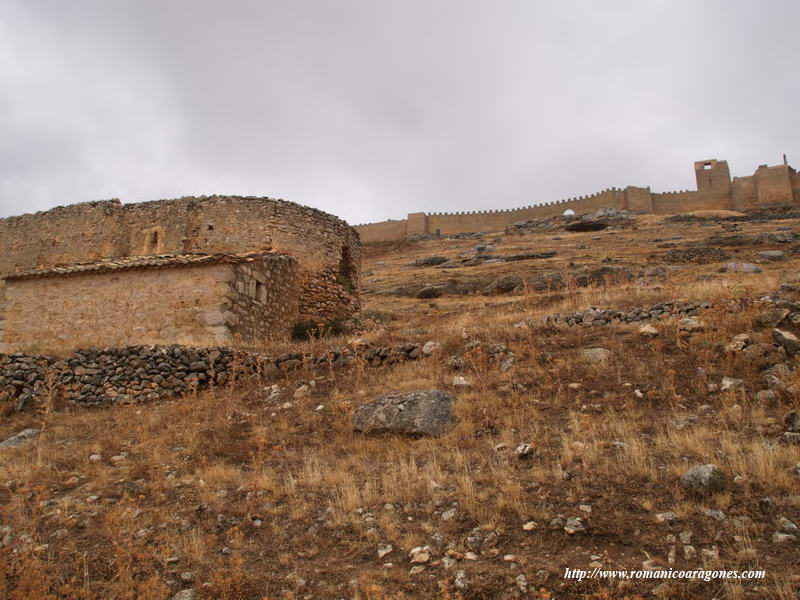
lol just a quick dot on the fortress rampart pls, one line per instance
(326, 248)
(769, 186)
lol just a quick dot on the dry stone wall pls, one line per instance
(139, 373)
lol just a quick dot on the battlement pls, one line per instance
(715, 191)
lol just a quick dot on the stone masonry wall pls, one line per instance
(263, 303)
(240, 304)
(94, 310)
(216, 224)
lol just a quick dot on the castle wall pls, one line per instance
(637, 199)
(743, 193)
(773, 185)
(384, 231)
(328, 250)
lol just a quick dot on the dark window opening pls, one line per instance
(210, 227)
(152, 241)
(261, 292)
(707, 166)
(347, 270)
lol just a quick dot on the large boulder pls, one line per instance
(788, 340)
(19, 438)
(704, 480)
(430, 292)
(740, 267)
(503, 285)
(430, 261)
(599, 219)
(415, 413)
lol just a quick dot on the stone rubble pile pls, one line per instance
(700, 255)
(597, 316)
(136, 373)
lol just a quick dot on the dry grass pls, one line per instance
(257, 501)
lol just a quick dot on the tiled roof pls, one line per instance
(156, 261)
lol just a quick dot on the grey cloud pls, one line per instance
(371, 109)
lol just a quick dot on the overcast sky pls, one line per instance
(371, 109)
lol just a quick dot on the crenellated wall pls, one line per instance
(716, 191)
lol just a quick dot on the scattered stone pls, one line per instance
(596, 355)
(792, 421)
(772, 254)
(524, 450)
(430, 292)
(648, 330)
(666, 517)
(460, 581)
(717, 515)
(429, 348)
(772, 317)
(573, 526)
(791, 438)
(783, 538)
(788, 340)
(704, 479)
(20, 438)
(301, 392)
(449, 514)
(740, 267)
(430, 261)
(459, 381)
(529, 526)
(786, 526)
(504, 285)
(700, 255)
(420, 554)
(187, 594)
(691, 325)
(383, 550)
(766, 396)
(416, 413)
(729, 383)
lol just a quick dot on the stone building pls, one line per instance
(767, 187)
(327, 249)
(236, 300)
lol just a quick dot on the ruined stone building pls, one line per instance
(768, 186)
(207, 271)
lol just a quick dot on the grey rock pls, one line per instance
(503, 285)
(19, 438)
(185, 595)
(791, 438)
(772, 254)
(786, 526)
(430, 261)
(704, 479)
(788, 340)
(792, 421)
(783, 538)
(415, 413)
(596, 355)
(430, 292)
(740, 267)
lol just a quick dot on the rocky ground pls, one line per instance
(620, 398)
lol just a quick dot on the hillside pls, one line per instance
(590, 371)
